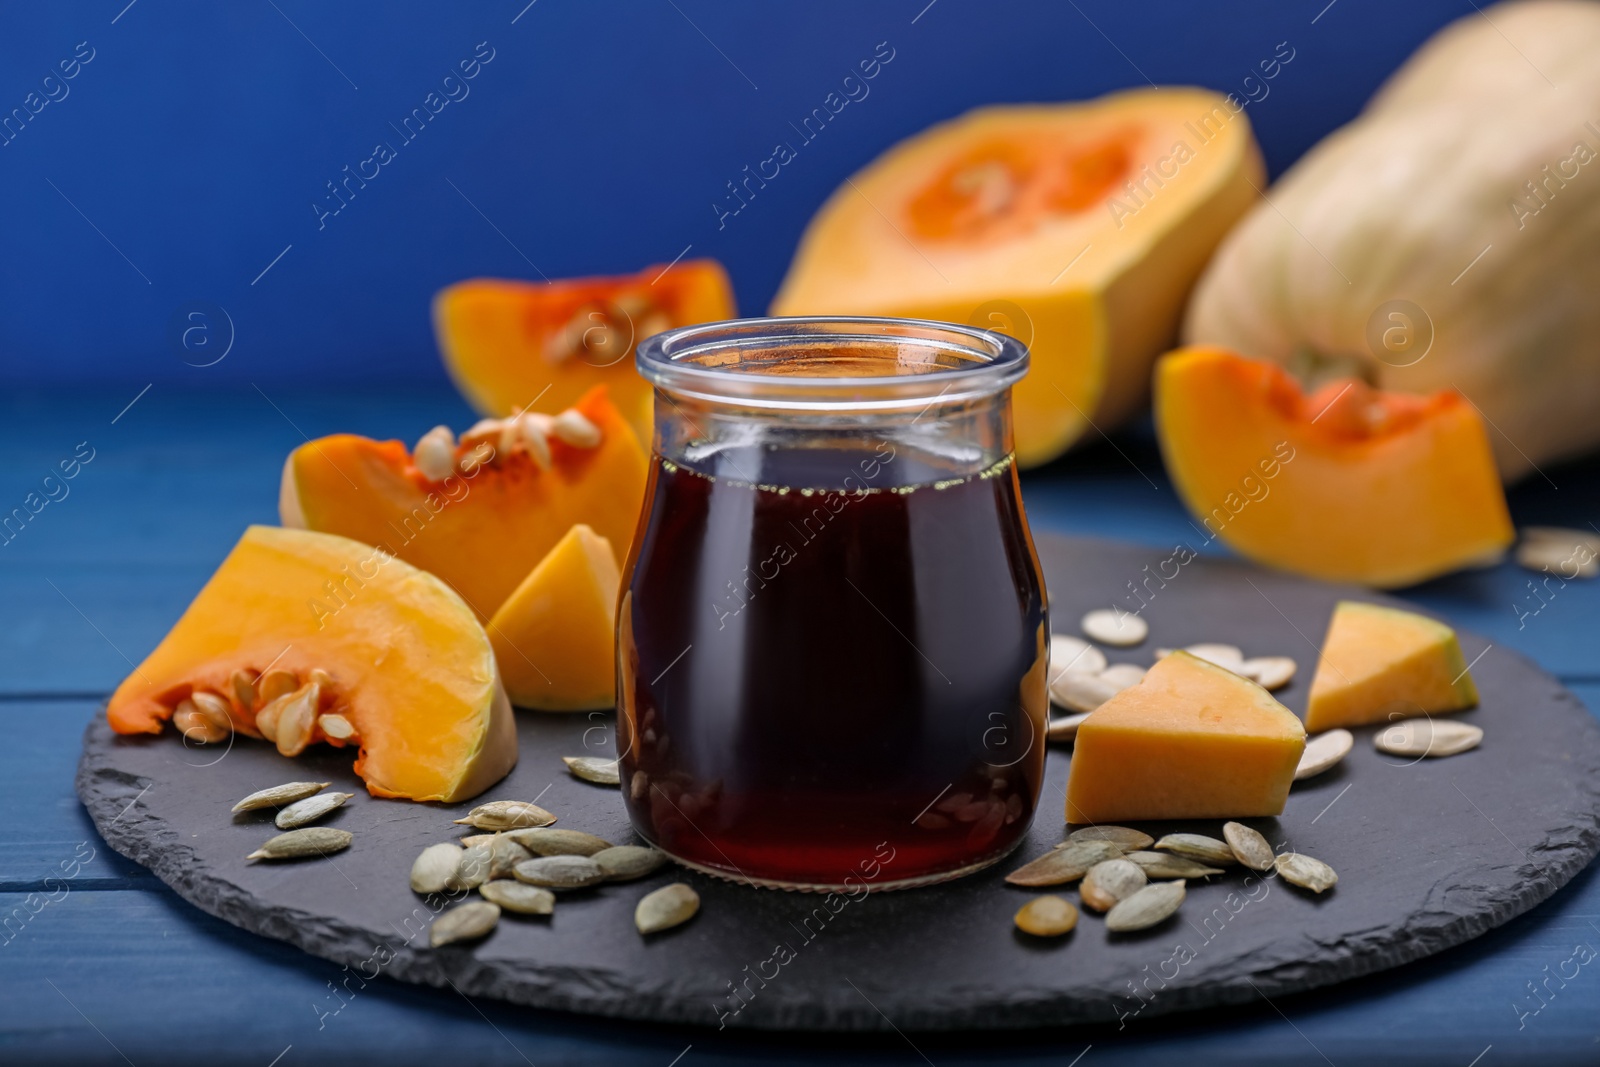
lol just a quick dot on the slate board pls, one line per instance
(1429, 854)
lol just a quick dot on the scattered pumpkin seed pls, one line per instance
(1323, 752)
(1305, 872)
(472, 871)
(547, 841)
(307, 811)
(519, 898)
(1554, 550)
(480, 839)
(1166, 865)
(1081, 692)
(671, 905)
(464, 922)
(1249, 847)
(1269, 672)
(624, 863)
(1065, 864)
(1145, 907)
(1046, 917)
(1111, 881)
(1068, 653)
(593, 769)
(1126, 836)
(506, 815)
(1112, 627)
(279, 795)
(1428, 737)
(296, 844)
(1064, 728)
(559, 872)
(504, 854)
(1198, 847)
(433, 869)
(1122, 675)
(1228, 657)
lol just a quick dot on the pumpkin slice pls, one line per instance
(482, 512)
(1382, 663)
(1078, 228)
(538, 346)
(556, 636)
(340, 629)
(1190, 741)
(1347, 484)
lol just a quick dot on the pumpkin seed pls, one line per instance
(519, 898)
(1198, 847)
(573, 428)
(1046, 917)
(506, 815)
(671, 905)
(435, 454)
(533, 431)
(296, 719)
(432, 870)
(593, 769)
(1428, 737)
(1110, 881)
(1269, 672)
(1081, 692)
(559, 872)
(1565, 553)
(1065, 864)
(479, 839)
(1323, 752)
(1228, 657)
(276, 683)
(472, 871)
(1145, 907)
(1305, 872)
(545, 841)
(477, 458)
(464, 922)
(279, 795)
(1122, 675)
(1249, 847)
(307, 811)
(1064, 728)
(1126, 837)
(243, 684)
(311, 841)
(1166, 865)
(504, 854)
(336, 726)
(624, 863)
(214, 706)
(1112, 627)
(1068, 653)
(197, 726)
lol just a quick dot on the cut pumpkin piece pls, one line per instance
(556, 636)
(539, 346)
(1346, 484)
(482, 512)
(1190, 741)
(1382, 663)
(1078, 228)
(303, 637)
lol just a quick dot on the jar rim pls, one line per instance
(737, 361)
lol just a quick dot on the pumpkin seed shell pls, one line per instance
(472, 871)
(1065, 864)
(1127, 837)
(669, 906)
(519, 898)
(547, 841)
(1250, 848)
(1081, 692)
(504, 854)
(624, 863)
(280, 795)
(1269, 672)
(593, 769)
(1111, 627)
(506, 815)
(1064, 728)
(1323, 752)
(432, 870)
(1109, 882)
(1046, 917)
(464, 922)
(1145, 907)
(559, 872)
(1198, 847)
(1122, 676)
(1166, 865)
(1428, 737)
(1306, 872)
(1068, 653)
(307, 811)
(296, 844)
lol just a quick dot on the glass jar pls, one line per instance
(832, 645)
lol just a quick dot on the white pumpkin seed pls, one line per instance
(1166, 865)
(593, 769)
(624, 863)
(432, 870)
(464, 922)
(243, 684)
(1122, 675)
(1081, 692)
(197, 726)
(276, 683)
(671, 905)
(307, 811)
(1562, 552)
(1305, 872)
(1269, 672)
(473, 840)
(1198, 847)
(1228, 657)
(1109, 882)
(504, 854)
(1064, 728)
(1068, 653)
(506, 815)
(296, 719)
(1112, 627)
(280, 795)
(559, 872)
(1323, 752)
(1249, 847)
(472, 871)
(1145, 907)
(336, 726)
(573, 428)
(547, 841)
(1067, 863)
(1046, 917)
(296, 844)
(535, 433)
(1428, 737)
(435, 454)
(519, 898)
(1127, 837)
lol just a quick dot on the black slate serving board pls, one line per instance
(1429, 853)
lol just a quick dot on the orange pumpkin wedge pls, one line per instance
(1346, 484)
(357, 634)
(538, 346)
(482, 512)
(1078, 228)
(556, 636)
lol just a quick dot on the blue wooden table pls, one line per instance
(100, 963)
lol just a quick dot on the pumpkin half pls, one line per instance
(491, 511)
(1078, 228)
(1345, 484)
(514, 346)
(389, 650)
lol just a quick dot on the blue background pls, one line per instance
(187, 154)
